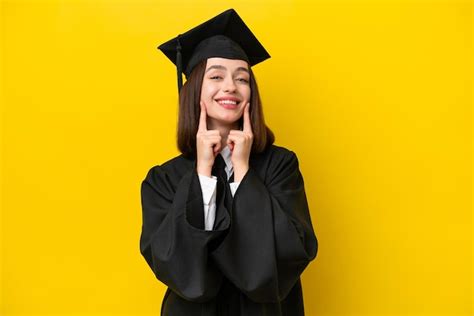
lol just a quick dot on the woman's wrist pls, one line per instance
(204, 171)
(240, 171)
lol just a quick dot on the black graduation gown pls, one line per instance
(250, 263)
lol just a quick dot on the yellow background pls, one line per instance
(374, 97)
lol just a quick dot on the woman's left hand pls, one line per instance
(240, 144)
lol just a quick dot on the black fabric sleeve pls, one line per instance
(173, 240)
(271, 238)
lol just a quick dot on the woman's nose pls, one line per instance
(229, 84)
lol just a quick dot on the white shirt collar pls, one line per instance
(226, 153)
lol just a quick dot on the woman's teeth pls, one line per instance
(227, 102)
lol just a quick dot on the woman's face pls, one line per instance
(225, 89)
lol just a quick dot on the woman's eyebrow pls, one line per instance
(224, 68)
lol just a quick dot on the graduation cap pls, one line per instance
(225, 35)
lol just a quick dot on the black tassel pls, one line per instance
(179, 65)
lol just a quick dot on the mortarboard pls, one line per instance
(225, 35)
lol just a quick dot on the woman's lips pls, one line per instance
(228, 106)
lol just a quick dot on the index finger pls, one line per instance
(247, 124)
(202, 118)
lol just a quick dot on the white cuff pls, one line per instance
(233, 187)
(208, 187)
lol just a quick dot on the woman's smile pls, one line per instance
(227, 104)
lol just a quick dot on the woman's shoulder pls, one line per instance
(274, 160)
(172, 169)
(275, 153)
(282, 151)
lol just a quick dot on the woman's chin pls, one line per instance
(227, 120)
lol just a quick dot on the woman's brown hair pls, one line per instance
(190, 110)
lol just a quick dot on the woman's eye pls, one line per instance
(240, 79)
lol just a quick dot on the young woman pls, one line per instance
(226, 224)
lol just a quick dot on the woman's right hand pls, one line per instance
(208, 144)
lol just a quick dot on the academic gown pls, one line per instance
(250, 263)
